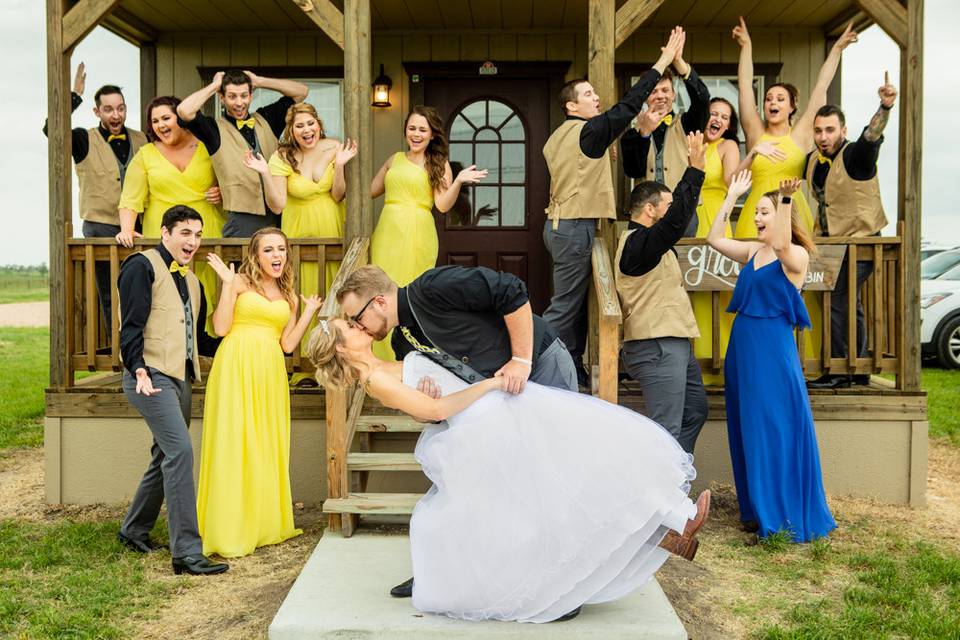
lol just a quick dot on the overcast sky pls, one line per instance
(23, 168)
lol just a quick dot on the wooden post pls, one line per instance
(58, 170)
(358, 124)
(148, 76)
(911, 144)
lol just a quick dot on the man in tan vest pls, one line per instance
(161, 338)
(658, 321)
(657, 149)
(101, 155)
(582, 193)
(843, 180)
(229, 137)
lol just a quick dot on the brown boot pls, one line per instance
(703, 510)
(679, 545)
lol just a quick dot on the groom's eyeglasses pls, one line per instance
(356, 318)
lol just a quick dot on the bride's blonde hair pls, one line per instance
(333, 368)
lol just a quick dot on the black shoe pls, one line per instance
(828, 381)
(403, 590)
(569, 615)
(583, 378)
(198, 565)
(749, 526)
(140, 546)
(861, 379)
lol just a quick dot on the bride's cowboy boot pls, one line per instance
(686, 545)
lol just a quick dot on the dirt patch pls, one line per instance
(25, 314)
(721, 595)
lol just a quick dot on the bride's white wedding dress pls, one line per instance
(541, 502)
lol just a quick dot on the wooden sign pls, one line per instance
(488, 69)
(705, 269)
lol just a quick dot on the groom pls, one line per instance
(475, 322)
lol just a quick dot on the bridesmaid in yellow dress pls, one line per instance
(243, 497)
(404, 243)
(305, 181)
(722, 158)
(778, 148)
(173, 168)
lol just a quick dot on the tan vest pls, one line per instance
(655, 305)
(241, 188)
(675, 160)
(165, 335)
(580, 186)
(853, 206)
(99, 177)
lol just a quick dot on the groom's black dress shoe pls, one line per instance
(828, 381)
(403, 590)
(198, 565)
(140, 546)
(569, 615)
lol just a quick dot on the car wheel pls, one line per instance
(948, 344)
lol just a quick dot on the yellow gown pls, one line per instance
(311, 212)
(404, 244)
(243, 496)
(767, 175)
(712, 194)
(152, 185)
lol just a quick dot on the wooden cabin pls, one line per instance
(493, 69)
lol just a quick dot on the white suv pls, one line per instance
(940, 318)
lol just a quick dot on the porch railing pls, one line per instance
(91, 347)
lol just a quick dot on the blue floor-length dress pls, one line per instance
(773, 445)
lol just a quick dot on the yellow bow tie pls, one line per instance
(667, 119)
(822, 159)
(118, 136)
(176, 267)
(249, 122)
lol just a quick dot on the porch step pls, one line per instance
(388, 424)
(382, 462)
(373, 503)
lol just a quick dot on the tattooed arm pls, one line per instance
(888, 95)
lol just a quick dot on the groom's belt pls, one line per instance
(456, 366)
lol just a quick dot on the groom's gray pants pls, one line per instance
(554, 368)
(673, 393)
(170, 473)
(570, 245)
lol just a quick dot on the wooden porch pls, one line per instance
(873, 438)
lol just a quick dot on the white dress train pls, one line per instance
(541, 502)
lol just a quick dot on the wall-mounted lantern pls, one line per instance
(381, 89)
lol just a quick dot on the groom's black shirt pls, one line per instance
(461, 311)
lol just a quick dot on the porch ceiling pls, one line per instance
(407, 15)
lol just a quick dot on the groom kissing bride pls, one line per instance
(595, 495)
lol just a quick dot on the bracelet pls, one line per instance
(885, 107)
(525, 361)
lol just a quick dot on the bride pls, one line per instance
(541, 502)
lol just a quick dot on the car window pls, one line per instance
(951, 274)
(936, 265)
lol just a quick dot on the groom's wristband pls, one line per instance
(529, 363)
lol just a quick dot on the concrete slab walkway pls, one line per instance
(342, 593)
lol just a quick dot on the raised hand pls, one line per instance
(678, 62)
(649, 120)
(740, 184)
(770, 151)
(740, 33)
(311, 304)
(217, 80)
(345, 152)
(80, 79)
(888, 92)
(471, 175)
(213, 195)
(673, 48)
(254, 78)
(696, 150)
(789, 187)
(226, 273)
(848, 37)
(256, 162)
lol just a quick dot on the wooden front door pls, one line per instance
(499, 124)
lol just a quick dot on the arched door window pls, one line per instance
(490, 135)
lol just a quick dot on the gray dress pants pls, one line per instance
(672, 384)
(244, 225)
(570, 246)
(554, 368)
(170, 473)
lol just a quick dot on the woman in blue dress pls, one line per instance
(773, 444)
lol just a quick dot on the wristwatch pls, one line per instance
(786, 199)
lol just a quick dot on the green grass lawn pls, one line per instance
(23, 284)
(24, 371)
(943, 402)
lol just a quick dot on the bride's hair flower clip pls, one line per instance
(326, 329)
